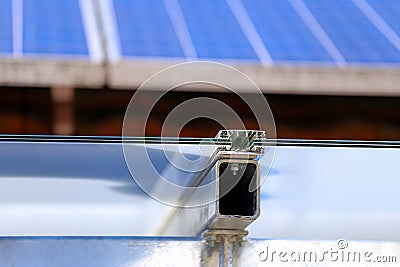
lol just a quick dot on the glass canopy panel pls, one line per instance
(81, 186)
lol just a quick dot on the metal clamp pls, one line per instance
(242, 140)
(226, 239)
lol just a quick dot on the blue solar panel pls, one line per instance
(284, 34)
(53, 27)
(389, 10)
(214, 30)
(353, 34)
(6, 45)
(145, 29)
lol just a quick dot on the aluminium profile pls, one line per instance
(234, 198)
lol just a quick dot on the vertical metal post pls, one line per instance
(62, 98)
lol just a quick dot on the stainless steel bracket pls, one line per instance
(242, 140)
(226, 240)
(234, 176)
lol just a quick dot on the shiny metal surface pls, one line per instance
(73, 188)
(330, 193)
(99, 252)
(319, 190)
(139, 251)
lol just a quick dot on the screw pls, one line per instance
(240, 239)
(211, 240)
(224, 134)
(234, 168)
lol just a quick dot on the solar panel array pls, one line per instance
(45, 27)
(5, 27)
(335, 32)
(59, 31)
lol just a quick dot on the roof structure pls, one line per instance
(286, 46)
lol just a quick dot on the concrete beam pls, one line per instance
(47, 72)
(295, 79)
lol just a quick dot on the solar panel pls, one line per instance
(5, 27)
(354, 35)
(60, 31)
(266, 32)
(280, 31)
(284, 34)
(214, 30)
(145, 29)
(389, 11)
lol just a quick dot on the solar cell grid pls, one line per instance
(6, 35)
(215, 31)
(283, 32)
(389, 12)
(53, 27)
(145, 29)
(209, 29)
(354, 35)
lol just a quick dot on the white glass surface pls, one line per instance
(83, 187)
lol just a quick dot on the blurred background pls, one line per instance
(329, 69)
